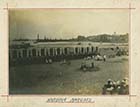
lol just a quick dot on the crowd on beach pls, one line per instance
(116, 87)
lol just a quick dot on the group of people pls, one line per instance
(89, 61)
(64, 61)
(87, 64)
(119, 87)
(48, 61)
(100, 58)
(97, 57)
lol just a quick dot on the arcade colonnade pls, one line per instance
(50, 51)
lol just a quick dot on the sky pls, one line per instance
(66, 23)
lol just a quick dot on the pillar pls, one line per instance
(55, 51)
(39, 50)
(78, 50)
(27, 52)
(45, 52)
(63, 51)
(21, 53)
(48, 49)
(73, 50)
(68, 49)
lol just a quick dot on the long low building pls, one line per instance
(25, 50)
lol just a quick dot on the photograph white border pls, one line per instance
(40, 100)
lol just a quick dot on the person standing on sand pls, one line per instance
(104, 58)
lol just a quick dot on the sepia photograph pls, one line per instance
(69, 51)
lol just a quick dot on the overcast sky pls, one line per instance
(67, 23)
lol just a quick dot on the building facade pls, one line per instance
(50, 51)
(62, 49)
